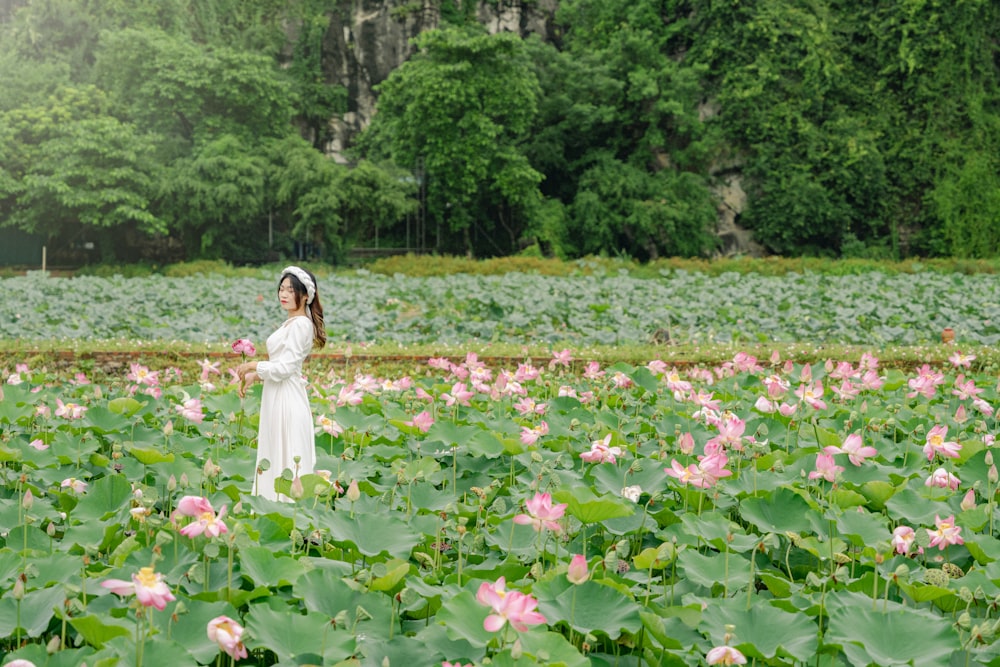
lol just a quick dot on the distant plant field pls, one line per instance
(869, 308)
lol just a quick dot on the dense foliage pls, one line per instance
(857, 131)
(602, 308)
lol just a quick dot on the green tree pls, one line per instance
(215, 200)
(303, 195)
(457, 112)
(625, 80)
(374, 200)
(71, 172)
(190, 92)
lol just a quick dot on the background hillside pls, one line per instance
(252, 130)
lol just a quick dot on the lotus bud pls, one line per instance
(297, 491)
(992, 475)
(988, 460)
(28, 500)
(168, 429)
(577, 572)
(53, 645)
(18, 591)
(969, 501)
(353, 492)
(184, 483)
(172, 484)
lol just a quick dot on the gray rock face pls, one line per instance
(368, 39)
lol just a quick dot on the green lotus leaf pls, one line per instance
(124, 405)
(728, 569)
(37, 609)
(262, 566)
(105, 496)
(898, 637)
(372, 534)
(463, 617)
(582, 503)
(780, 511)
(589, 607)
(150, 456)
(763, 630)
(97, 630)
(189, 627)
(864, 527)
(290, 634)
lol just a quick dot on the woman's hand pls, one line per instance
(246, 379)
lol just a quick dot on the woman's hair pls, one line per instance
(314, 309)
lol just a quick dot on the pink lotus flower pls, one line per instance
(20, 662)
(944, 533)
(244, 347)
(38, 444)
(943, 479)
(147, 586)
(206, 522)
(422, 421)
(592, 371)
(936, 444)
(960, 360)
(725, 655)
(228, 634)
(764, 405)
(329, 426)
(712, 468)
(191, 410)
(965, 389)
(542, 513)
(208, 368)
(530, 434)
(349, 395)
(776, 385)
(445, 663)
(871, 381)
(512, 607)
(902, 539)
(926, 382)
(854, 448)
(689, 475)
(561, 358)
(811, 395)
(685, 442)
(142, 375)
(459, 395)
(76, 485)
(528, 406)
(825, 468)
(602, 452)
(69, 410)
(577, 572)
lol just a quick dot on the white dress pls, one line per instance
(286, 422)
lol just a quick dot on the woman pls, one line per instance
(286, 422)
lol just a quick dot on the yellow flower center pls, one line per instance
(147, 577)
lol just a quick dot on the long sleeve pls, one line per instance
(288, 360)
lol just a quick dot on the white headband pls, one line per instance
(305, 280)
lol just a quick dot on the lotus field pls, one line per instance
(556, 511)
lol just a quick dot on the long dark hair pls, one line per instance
(315, 309)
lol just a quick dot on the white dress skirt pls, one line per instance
(286, 422)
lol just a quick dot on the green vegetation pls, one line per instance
(193, 130)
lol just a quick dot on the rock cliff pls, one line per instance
(368, 39)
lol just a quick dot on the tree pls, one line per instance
(71, 171)
(458, 110)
